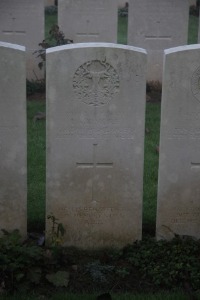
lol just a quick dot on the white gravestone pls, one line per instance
(22, 23)
(95, 136)
(157, 25)
(88, 20)
(13, 190)
(178, 210)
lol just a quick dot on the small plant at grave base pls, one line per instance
(20, 262)
(57, 231)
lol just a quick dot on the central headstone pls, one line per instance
(157, 25)
(88, 20)
(95, 136)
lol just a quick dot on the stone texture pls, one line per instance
(95, 136)
(157, 25)
(122, 3)
(199, 31)
(88, 20)
(49, 2)
(178, 209)
(192, 2)
(22, 23)
(13, 188)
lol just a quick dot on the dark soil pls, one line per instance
(153, 91)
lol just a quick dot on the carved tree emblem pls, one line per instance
(96, 82)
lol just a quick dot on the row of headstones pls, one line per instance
(95, 142)
(152, 24)
(121, 3)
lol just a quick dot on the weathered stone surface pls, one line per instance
(157, 25)
(88, 20)
(95, 136)
(199, 34)
(192, 2)
(22, 23)
(13, 190)
(49, 2)
(178, 209)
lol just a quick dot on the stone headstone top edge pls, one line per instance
(182, 48)
(12, 46)
(93, 45)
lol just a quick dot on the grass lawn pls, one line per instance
(158, 296)
(193, 30)
(36, 167)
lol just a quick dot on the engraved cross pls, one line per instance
(95, 164)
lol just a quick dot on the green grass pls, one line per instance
(151, 166)
(122, 30)
(161, 296)
(193, 30)
(36, 167)
(157, 296)
(50, 20)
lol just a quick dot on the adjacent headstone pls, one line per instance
(88, 20)
(178, 209)
(157, 25)
(95, 136)
(22, 23)
(13, 190)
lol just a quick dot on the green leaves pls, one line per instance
(18, 261)
(59, 279)
(57, 231)
(167, 264)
